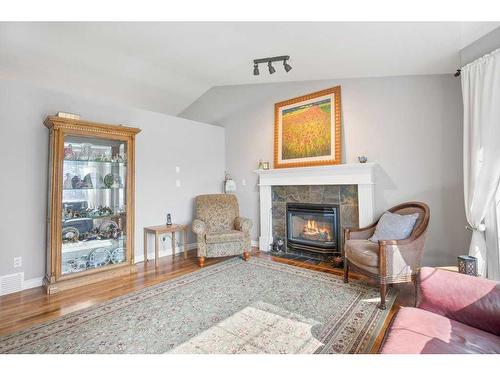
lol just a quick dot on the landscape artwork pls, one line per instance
(307, 130)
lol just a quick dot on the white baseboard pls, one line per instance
(33, 283)
(139, 256)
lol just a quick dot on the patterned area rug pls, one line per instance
(259, 306)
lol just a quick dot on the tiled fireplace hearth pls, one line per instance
(347, 187)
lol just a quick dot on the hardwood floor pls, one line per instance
(23, 309)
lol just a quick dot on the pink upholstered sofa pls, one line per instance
(456, 313)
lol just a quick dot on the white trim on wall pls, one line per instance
(33, 283)
(139, 257)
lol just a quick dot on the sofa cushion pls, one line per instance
(362, 253)
(416, 331)
(474, 301)
(394, 227)
(225, 236)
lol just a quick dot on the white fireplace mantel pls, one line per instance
(342, 174)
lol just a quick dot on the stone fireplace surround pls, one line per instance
(349, 185)
(346, 196)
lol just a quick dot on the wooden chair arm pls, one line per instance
(359, 233)
(398, 257)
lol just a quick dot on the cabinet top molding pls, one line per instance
(54, 122)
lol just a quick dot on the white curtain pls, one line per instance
(481, 99)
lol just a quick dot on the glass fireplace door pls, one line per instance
(312, 227)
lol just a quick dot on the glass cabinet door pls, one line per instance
(94, 212)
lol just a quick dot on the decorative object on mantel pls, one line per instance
(169, 220)
(229, 185)
(307, 130)
(362, 159)
(467, 265)
(263, 165)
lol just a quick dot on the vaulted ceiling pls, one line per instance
(166, 66)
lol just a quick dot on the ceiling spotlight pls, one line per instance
(271, 69)
(286, 66)
(269, 61)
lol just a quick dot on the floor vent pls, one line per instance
(11, 283)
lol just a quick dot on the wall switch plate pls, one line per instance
(178, 183)
(177, 169)
(18, 262)
(244, 182)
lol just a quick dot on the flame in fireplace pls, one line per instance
(314, 231)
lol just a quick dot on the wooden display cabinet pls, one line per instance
(90, 223)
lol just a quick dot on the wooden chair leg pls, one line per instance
(201, 261)
(383, 291)
(246, 255)
(415, 284)
(346, 271)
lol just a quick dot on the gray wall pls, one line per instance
(165, 142)
(411, 126)
(480, 47)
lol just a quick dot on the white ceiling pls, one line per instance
(165, 66)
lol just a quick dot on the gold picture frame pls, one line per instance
(307, 130)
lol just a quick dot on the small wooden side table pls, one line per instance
(162, 229)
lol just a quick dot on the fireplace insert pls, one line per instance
(313, 227)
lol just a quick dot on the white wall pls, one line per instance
(165, 142)
(411, 126)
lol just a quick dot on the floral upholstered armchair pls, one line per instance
(219, 228)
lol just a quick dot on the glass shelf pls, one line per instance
(113, 216)
(71, 247)
(98, 162)
(96, 188)
(85, 255)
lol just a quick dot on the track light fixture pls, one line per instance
(269, 61)
(286, 66)
(271, 69)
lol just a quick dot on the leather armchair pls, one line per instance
(219, 229)
(388, 262)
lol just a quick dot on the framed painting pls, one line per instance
(307, 130)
